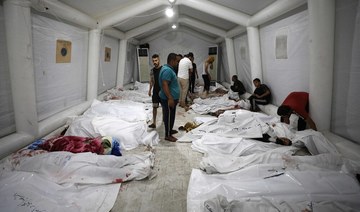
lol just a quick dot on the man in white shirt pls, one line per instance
(185, 70)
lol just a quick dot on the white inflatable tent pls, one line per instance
(291, 45)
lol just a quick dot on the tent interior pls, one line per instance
(58, 56)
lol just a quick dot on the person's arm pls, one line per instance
(241, 88)
(311, 123)
(207, 69)
(190, 71)
(190, 68)
(166, 89)
(267, 92)
(152, 81)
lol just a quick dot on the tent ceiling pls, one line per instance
(183, 8)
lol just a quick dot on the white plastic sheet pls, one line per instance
(137, 93)
(213, 104)
(63, 181)
(26, 191)
(291, 187)
(121, 119)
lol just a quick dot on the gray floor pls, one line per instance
(173, 164)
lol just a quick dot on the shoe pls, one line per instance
(173, 132)
(171, 138)
(152, 125)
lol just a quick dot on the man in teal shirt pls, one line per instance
(169, 95)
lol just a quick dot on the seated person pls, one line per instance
(238, 86)
(297, 103)
(261, 95)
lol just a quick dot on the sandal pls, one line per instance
(171, 138)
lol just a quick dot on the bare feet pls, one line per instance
(186, 108)
(152, 125)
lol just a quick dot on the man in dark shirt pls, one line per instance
(238, 86)
(261, 95)
(154, 86)
(194, 75)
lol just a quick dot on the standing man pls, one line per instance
(194, 75)
(185, 70)
(261, 95)
(178, 58)
(297, 103)
(154, 85)
(208, 64)
(169, 95)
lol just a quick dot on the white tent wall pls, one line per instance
(345, 119)
(180, 43)
(108, 69)
(21, 38)
(285, 68)
(7, 120)
(58, 85)
(243, 69)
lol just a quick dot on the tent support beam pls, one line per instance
(321, 36)
(93, 64)
(255, 53)
(231, 57)
(21, 67)
(121, 63)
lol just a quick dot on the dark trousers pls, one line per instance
(206, 82)
(255, 101)
(168, 115)
(301, 121)
(192, 84)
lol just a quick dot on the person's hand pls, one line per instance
(149, 92)
(209, 77)
(171, 103)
